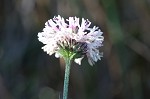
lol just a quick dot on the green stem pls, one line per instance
(66, 79)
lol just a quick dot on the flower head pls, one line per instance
(69, 38)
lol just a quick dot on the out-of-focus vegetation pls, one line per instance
(26, 72)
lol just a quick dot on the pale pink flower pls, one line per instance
(79, 39)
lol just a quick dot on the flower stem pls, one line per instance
(66, 79)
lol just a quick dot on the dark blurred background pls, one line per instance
(26, 72)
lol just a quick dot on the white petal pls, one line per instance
(78, 60)
(91, 62)
(57, 55)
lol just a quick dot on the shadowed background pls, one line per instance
(26, 72)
